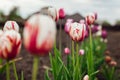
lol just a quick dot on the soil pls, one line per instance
(25, 64)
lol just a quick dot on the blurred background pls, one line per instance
(108, 16)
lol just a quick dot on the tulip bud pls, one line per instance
(67, 50)
(77, 31)
(11, 25)
(53, 13)
(94, 29)
(86, 77)
(81, 52)
(67, 25)
(61, 13)
(90, 19)
(11, 44)
(104, 34)
(113, 63)
(39, 34)
(82, 21)
(108, 59)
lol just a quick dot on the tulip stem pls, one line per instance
(35, 67)
(90, 56)
(60, 39)
(7, 71)
(15, 72)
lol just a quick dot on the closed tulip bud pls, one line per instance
(104, 34)
(90, 19)
(67, 25)
(53, 13)
(11, 25)
(82, 21)
(1, 33)
(108, 59)
(86, 77)
(67, 51)
(81, 52)
(77, 31)
(70, 20)
(95, 29)
(39, 34)
(61, 13)
(113, 63)
(11, 44)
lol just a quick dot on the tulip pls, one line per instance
(104, 34)
(81, 52)
(86, 77)
(108, 59)
(77, 31)
(11, 25)
(39, 34)
(67, 25)
(61, 13)
(11, 44)
(94, 29)
(1, 33)
(90, 19)
(113, 63)
(67, 50)
(53, 13)
(82, 21)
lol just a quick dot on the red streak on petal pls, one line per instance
(13, 25)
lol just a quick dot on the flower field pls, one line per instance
(79, 50)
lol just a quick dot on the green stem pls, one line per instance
(91, 63)
(35, 67)
(15, 72)
(7, 71)
(60, 38)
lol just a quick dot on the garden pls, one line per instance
(51, 46)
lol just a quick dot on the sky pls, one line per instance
(107, 9)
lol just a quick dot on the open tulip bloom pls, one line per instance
(39, 36)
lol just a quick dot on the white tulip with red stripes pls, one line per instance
(77, 31)
(11, 25)
(10, 44)
(39, 34)
(53, 12)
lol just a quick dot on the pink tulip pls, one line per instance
(90, 19)
(39, 34)
(61, 13)
(86, 77)
(77, 31)
(67, 50)
(82, 21)
(11, 25)
(81, 52)
(70, 20)
(53, 13)
(104, 34)
(11, 44)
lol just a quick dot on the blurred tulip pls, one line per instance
(113, 63)
(104, 34)
(86, 77)
(81, 52)
(67, 50)
(53, 13)
(67, 25)
(77, 31)
(94, 29)
(11, 44)
(82, 21)
(1, 33)
(108, 59)
(11, 25)
(86, 34)
(90, 19)
(61, 13)
(39, 34)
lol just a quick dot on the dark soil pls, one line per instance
(25, 64)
